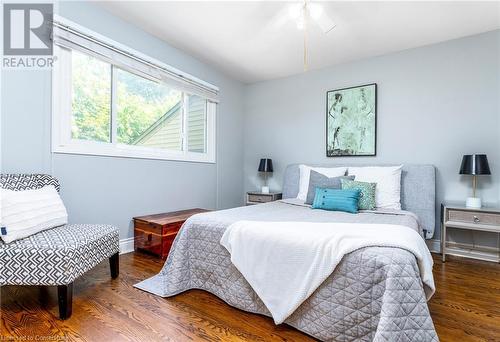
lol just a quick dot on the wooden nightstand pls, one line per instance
(155, 234)
(258, 197)
(484, 219)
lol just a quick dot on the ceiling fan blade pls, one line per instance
(325, 23)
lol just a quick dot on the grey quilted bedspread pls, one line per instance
(374, 294)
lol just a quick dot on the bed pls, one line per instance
(374, 294)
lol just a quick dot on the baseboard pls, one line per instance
(434, 245)
(126, 245)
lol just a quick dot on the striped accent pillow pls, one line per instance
(336, 200)
(27, 212)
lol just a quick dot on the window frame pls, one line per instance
(62, 141)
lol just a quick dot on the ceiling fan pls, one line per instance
(302, 13)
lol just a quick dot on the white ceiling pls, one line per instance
(239, 38)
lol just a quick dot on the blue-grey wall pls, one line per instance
(435, 103)
(113, 190)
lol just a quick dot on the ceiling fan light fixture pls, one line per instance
(295, 11)
(300, 23)
(303, 14)
(315, 11)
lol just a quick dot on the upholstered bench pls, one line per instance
(57, 256)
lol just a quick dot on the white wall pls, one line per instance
(435, 104)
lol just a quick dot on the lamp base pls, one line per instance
(265, 190)
(473, 202)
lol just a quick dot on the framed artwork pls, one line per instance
(351, 121)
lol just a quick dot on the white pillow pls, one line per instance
(305, 172)
(24, 213)
(388, 179)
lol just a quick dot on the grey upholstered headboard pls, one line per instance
(418, 189)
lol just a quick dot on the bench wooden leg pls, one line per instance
(43, 296)
(65, 299)
(114, 265)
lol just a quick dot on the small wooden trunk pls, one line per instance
(155, 234)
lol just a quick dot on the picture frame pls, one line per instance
(351, 121)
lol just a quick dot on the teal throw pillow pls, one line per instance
(336, 200)
(317, 180)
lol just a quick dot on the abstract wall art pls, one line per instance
(351, 121)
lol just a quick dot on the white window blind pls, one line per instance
(70, 36)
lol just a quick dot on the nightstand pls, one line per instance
(486, 219)
(259, 197)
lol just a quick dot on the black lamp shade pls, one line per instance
(266, 165)
(475, 164)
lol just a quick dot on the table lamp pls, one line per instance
(265, 166)
(475, 165)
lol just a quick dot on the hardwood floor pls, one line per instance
(466, 307)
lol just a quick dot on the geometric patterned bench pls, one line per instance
(55, 257)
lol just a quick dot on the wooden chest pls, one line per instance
(155, 234)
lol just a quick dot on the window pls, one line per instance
(148, 113)
(105, 106)
(197, 125)
(91, 94)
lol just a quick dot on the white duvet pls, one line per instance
(285, 262)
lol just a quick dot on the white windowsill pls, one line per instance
(116, 152)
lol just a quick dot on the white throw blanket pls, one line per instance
(285, 262)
